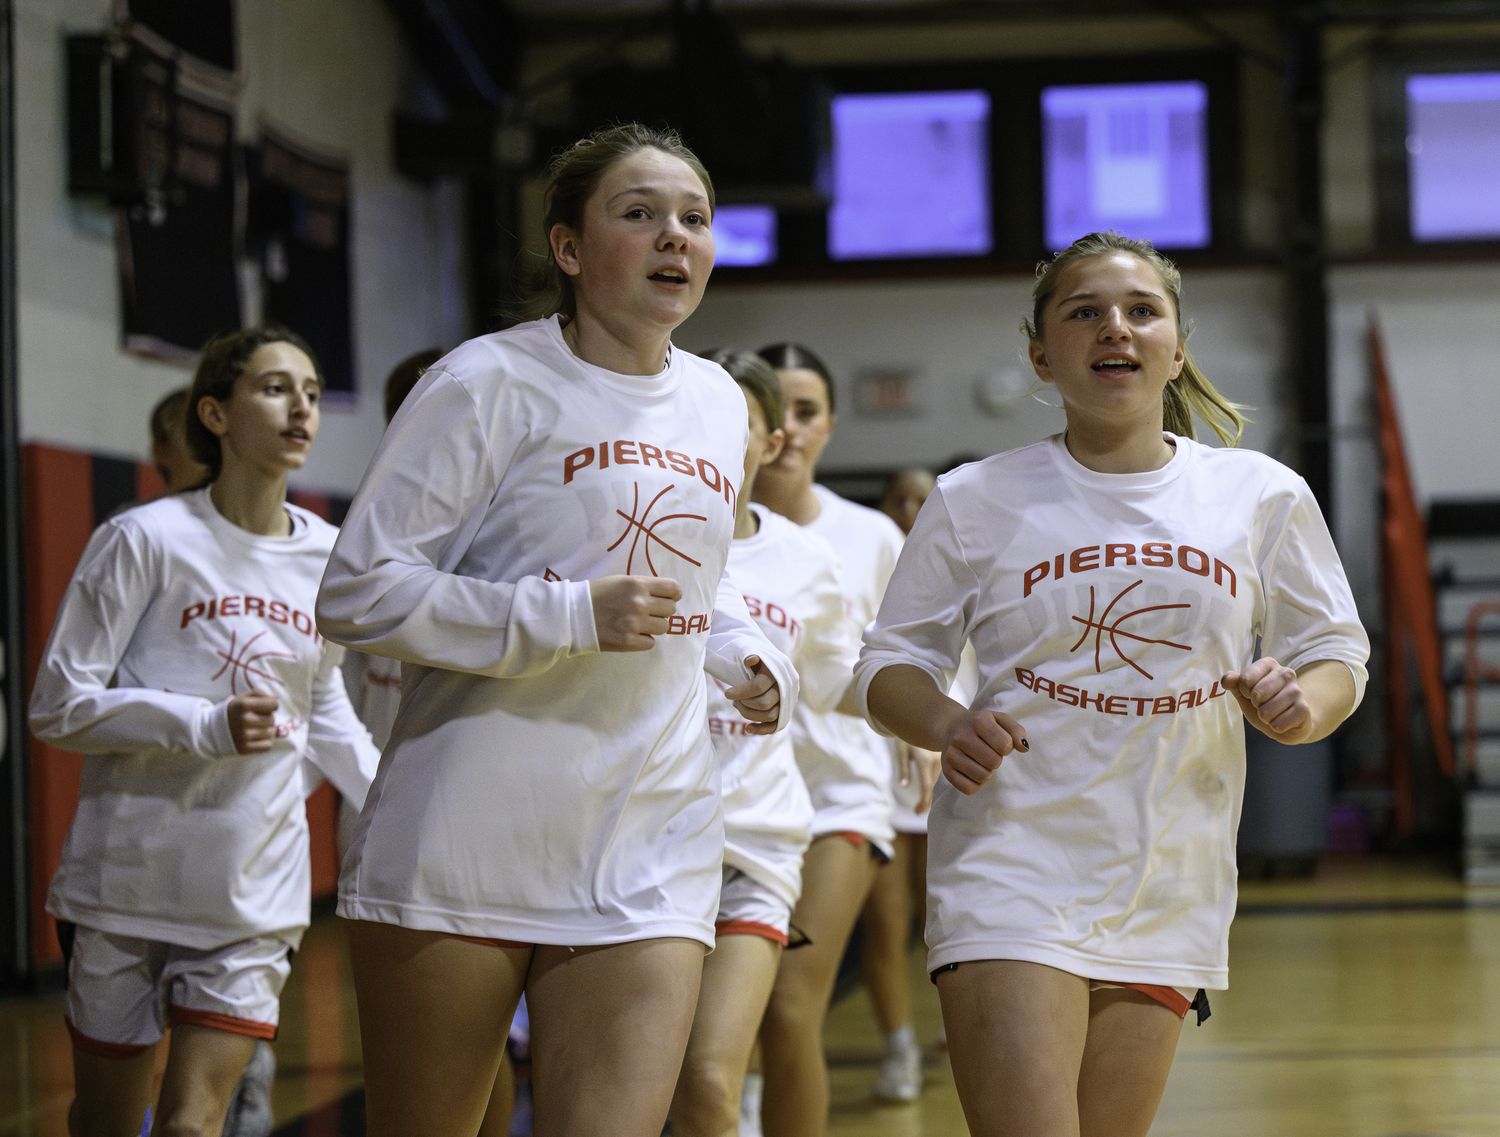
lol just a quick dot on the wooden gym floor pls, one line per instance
(1365, 1003)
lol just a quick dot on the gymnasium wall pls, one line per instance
(1438, 317)
(331, 71)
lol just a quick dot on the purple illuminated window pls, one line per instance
(745, 235)
(1126, 156)
(911, 175)
(1453, 155)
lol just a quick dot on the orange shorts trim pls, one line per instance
(1169, 997)
(750, 928)
(858, 840)
(487, 943)
(228, 1023)
(104, 1049)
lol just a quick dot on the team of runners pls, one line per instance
(641, 773)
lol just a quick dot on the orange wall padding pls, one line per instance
(322, 827)
(59, 518)
(1411, 604)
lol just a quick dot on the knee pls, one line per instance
(791, 1018)
(707, 1099)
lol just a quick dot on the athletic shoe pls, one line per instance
(900, 1074)
(750, 1094)
(250, 1109)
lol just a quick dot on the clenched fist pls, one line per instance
(978, 745)
(631, 611)
(252, 722)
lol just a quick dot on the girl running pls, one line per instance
(847, 766)
(789, 579)
(1116, 581)
(541, 539)
(186, 665)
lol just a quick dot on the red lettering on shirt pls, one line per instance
(1146, 706)
(1153, 554)
(252, 607)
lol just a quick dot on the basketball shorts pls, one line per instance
(124, 991)
(749, 908)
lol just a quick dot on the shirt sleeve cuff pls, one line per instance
(584, 635)
(218, 742)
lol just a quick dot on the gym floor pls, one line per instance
(1366, 1003)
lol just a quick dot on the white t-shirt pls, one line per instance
(1103, 610)
(172, 611)
(535, 788)
(848, 767)
(789, 578)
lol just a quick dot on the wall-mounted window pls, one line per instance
(745, 235)
(1435, 120)
(1453, 155)
(911, 175)
(1127, 156)
(953, 167)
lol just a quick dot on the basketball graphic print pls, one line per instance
(246, 666)
(642, 532)
(1114, 631)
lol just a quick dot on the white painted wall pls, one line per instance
(332, 71)
(951, 330)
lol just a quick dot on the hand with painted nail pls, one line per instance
(978, 744)
(1272, 700)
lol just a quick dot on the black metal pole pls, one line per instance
(15, 912)
(1305, 256)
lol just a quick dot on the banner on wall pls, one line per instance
(177, 247)
(299, 224)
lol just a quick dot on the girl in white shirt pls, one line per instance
(789, 578)
(540, 539)
(847, 766)
(186, 666)
(1115, 582)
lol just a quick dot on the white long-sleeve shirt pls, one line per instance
(172, 611)
(789, 578)
(848, 767)
(535, 788)
(1103, 610)
(374, 684)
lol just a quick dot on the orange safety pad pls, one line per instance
(148, 483)
(322, 832)
(58, 510)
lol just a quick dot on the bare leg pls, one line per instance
(1035, 1055)
(112, 1094)
(609, 1026)
(887, 923)
(502, 1102)
(434, 1013)
(203, 1067)
(836, 877)
(737, 980)
(1132, 1040)
(1016, 1033)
